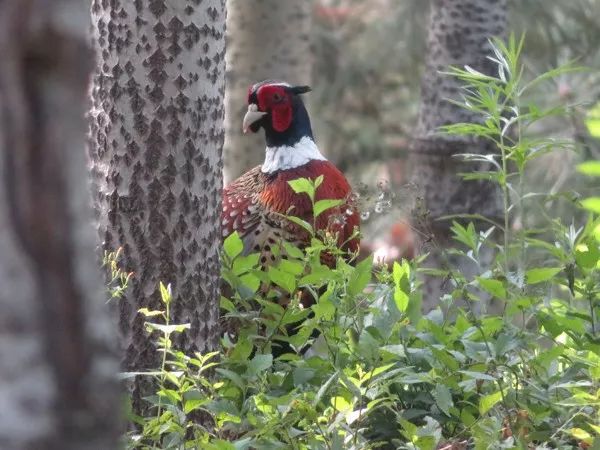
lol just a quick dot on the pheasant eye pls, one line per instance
(277, 97)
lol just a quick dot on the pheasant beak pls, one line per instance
(253, 115)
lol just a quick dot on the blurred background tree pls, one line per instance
(459, 35)
(58, 352)
(267, 39)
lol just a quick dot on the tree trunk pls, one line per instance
(267, 39)
(458, 35)
(58, 360)
(157, 136)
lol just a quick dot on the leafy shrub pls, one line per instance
(364, 368)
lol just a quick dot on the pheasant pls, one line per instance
(255, 205)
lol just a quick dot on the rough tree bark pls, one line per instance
(156, 142)
(458, 35)
(58, 360)
(267, 39)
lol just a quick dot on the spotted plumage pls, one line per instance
(255, 204)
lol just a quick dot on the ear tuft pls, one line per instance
(300, 89)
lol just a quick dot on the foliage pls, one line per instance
(359, 366)
(118, 279)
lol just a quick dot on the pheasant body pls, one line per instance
(255, 205)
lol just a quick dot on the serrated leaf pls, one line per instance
(487, 402)
(323, 205)
(324, 309)
(282, 279)
(292, 250)
(233, 245)
(540, 274)
(591, 204)
(493, 287)
(251, 281)
(293, 267)
(193, 404)
(581, 434)
(242, 264)
(591, 168)
(232, 376)
(303, 374)
(319, 274)
(319, 181)
(167, 329)
(341, 404)
(443, 398)
(400, 299)
(478, 375)
(361, 276)
(303, 186)
(324, 388)
(303, 223)
(165, 292)
(259, 364)
(226, 304)
(148, 313)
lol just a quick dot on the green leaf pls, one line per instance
(591, 204)
(493, 287)
(319, 274)
(401, 299)
(487, 402)
(467, 236)
(165, 293)
(303, 374)
(259, 364)
(251, 281)
(401, 274)
(324, 309)
(478, 375)
(318, 181)
(292, 267)
(282, 279)
(361, 276)
(443, 398)
(303, 223)
(581, 434)
(591, 168)
(292, 250)
(193, 404)
(148, 313)
(226, 304)
(242, 264)
(232, 376)
(303, 186)
(167, 329)
(538, 275)
(233, 245)
(324, 205)
(587, 254)
(593, 121)
(241, 351)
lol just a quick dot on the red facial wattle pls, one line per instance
(275, 99)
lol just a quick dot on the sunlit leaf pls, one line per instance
(591, 168)
(233, 245)
(493, 287)
(538, 275)
(323, 205)
(487, 402)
